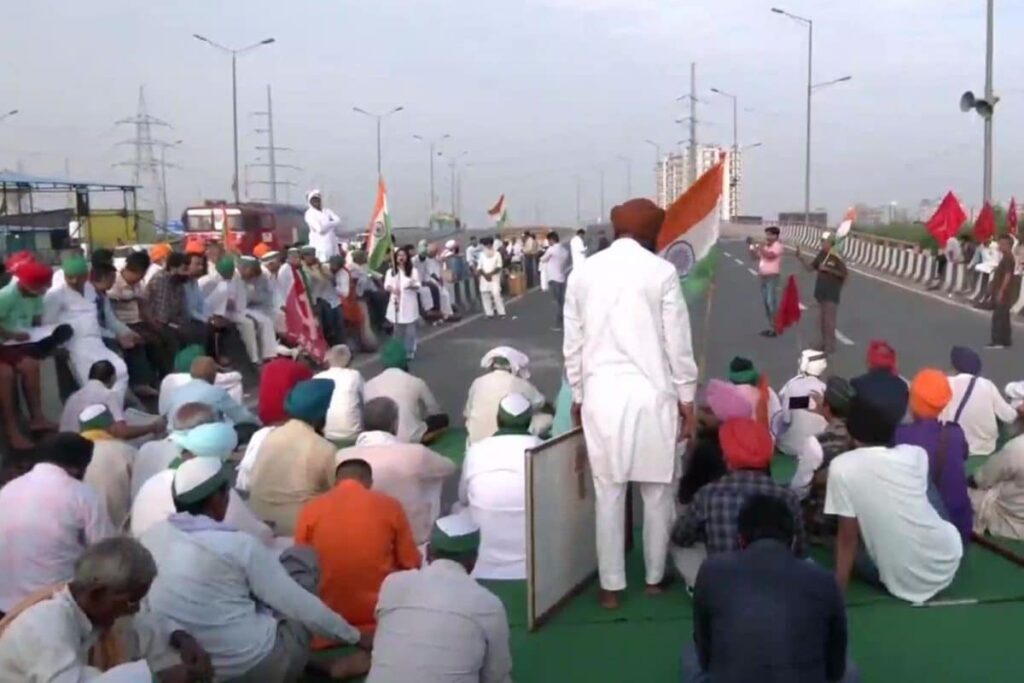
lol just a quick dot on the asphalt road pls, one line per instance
(921, 328)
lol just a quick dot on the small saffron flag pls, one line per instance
(499, 212)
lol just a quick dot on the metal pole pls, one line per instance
(433, 197)
(579, 190)
(807, 158)
(163, 181)
(734, 189)
(380, 172)
(453, 188)
(270, 137)
(990, 98)
(692, 161)
(234, 109)
(602, 193)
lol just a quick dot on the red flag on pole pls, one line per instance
(1011, 216)
(301, 321)
(946, 221)
(788, 313)
(985, 225)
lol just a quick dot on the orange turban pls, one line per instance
(260, 250)
(195, 246)
(34, 275)
(641, 219)
(746, 444)
(159, 252)
(930, 393)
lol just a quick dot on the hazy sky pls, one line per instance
(538, 92)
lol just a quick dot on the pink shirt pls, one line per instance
(770, 266)
(47, 518)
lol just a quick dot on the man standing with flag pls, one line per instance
(630, 366)
(828, 286)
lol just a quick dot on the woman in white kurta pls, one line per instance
(402, 282)
(629, 362)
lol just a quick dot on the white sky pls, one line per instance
(538, 92)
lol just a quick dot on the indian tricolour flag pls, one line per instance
(378, 240)
(499, 212)
(689, 234)
(844, 229)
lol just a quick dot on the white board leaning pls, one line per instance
(561, 548)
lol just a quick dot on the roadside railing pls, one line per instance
(900, 259)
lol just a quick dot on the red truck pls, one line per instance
(243, 226)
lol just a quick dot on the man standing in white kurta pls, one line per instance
(629, 362)
(324, 227)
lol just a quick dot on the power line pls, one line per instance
(271, 165)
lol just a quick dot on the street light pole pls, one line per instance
(432, 146)
(734, 162)
(379, 118)
(989, 97)
(659, 173)
(234, 92)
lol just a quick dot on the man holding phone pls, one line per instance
(768, 255)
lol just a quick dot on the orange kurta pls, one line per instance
(360, 536)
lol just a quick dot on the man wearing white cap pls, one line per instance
(508, 372)
(213, 580)
(154, 502)
(110, 470)
(324, 227)
(344, 416)
(799, 423)
(493, 486)
(832, 272)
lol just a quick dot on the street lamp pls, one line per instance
(752, 146)
(432, 145)
(234, 90)
(811, 87)
(985, 107)
(379, 118)
(659, 168)
(733, 166)
(453, 159)
(8, 115)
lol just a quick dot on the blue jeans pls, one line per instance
(406, 333)
(770, 296)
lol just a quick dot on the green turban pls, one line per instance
(183, 359)
(308, 250)
(742, 371)
(309, 400)
(75, 266)
(394, 355)
(226, 267)
(95, 417)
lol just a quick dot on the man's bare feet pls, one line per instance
(609, 599)
(41, 424)
(19, 442)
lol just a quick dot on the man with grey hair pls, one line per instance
(70, 632)
(409, 472)
(344, 420)
(156, 456)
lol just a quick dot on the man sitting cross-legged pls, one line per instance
(880, 494)
(355, 558)
(410, 472)
(438, 625)
(90, 630)
(253, 610)
(743, 597)
(419, 413)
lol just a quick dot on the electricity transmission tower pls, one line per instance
(145, 164)
(271, 163)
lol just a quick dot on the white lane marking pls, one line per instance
(803, 307)
(752, 272)
(738, 261)
(844, 339)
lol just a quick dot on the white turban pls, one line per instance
(518, 361)
(813, 363)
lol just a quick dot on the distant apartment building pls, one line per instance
(672, 176)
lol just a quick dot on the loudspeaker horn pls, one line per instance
(967, 101)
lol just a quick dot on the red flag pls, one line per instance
(1011, 216)
(301, 321)
(788, 313)
(947, 219)
(985, 225)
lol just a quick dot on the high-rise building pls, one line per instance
(672, 178)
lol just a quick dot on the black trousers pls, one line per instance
(1002, 329)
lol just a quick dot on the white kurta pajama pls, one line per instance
(324, 232)
(226, 298)
(629, 361)
(490, 264)
(64, 305)
(260, 309)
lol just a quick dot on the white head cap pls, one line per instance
(197, 479)
(813, 363)
(826, 235)
(312, 193)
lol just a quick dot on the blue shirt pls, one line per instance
(200, 391)
(194, 303)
